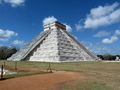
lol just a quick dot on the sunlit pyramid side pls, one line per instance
(54, 44)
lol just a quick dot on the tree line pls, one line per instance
(6, 52)
(109, 57)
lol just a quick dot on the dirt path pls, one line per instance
(39, 82)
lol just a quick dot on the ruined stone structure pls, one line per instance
(54, 44)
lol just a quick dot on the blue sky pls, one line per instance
(95, 23)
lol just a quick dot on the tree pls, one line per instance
(100, 56)
(6, 52)
(108, 57)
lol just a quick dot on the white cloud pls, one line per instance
(110, 41)
(100, 48)
(6, 34)
(117, 32)
(79, 27)
(68, 28)
(102, 34)
(101, 16)
(113, 38)
(49, 19)
(18, 42)
(13, 3)
(103, 10)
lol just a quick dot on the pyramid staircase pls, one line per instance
(54, 44)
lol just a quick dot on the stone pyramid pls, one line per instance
(54, 44)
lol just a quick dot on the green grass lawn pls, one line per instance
(99, 75)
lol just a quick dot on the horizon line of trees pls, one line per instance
(109, 57)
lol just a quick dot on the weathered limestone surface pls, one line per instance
(22, 53)
(55, 44)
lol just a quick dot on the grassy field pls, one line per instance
(99, 75)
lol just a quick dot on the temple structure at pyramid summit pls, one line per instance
(54, 44)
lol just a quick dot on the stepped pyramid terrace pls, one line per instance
(54, 44)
